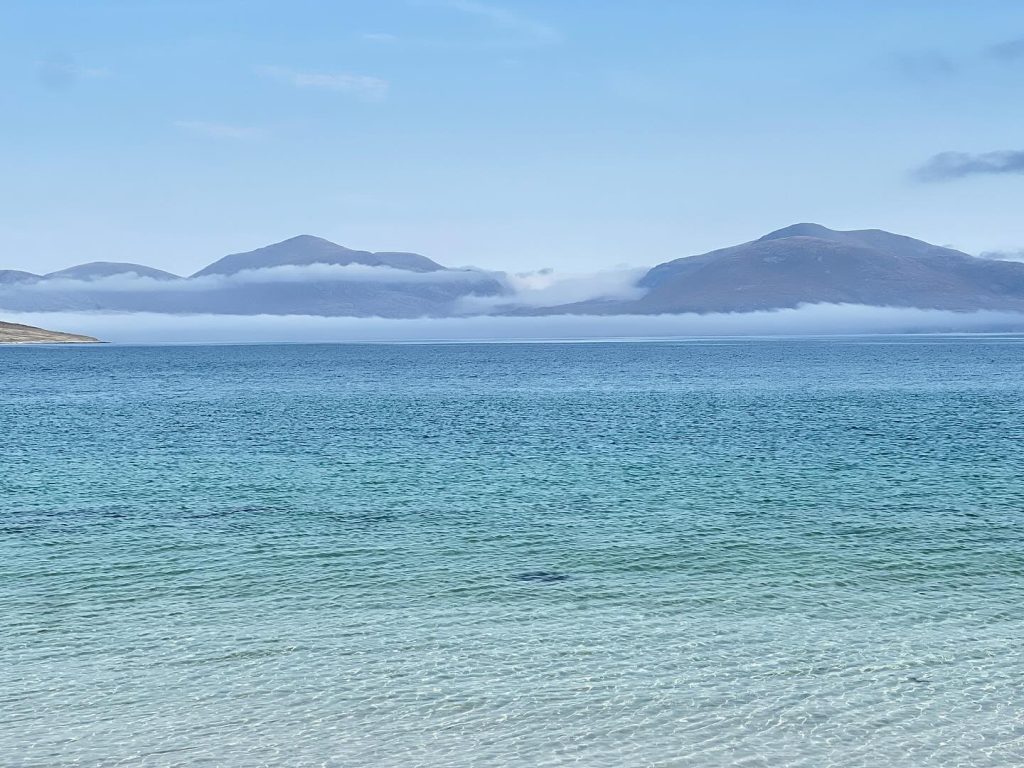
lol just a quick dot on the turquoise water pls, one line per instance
(755, 553)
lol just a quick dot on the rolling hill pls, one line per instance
(810, 264)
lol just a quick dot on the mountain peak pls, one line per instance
(300, 240)
(94, 270)
(811, 264)
(16, 276)
(304, 250)
(805, 229)
(877, 239)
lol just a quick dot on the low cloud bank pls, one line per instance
(548, 288)
(130, 282)
(1003, 255)
(947, 166)
(334, 289)
(817, 319)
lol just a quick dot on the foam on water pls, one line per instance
(698, 554)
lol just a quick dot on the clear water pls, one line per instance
(757, 553)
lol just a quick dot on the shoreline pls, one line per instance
(17, 333)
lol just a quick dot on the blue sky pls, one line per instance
(577, 134)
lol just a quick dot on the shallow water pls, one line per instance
(759, 553)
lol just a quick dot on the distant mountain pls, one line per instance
(887, 242)
(800, 264)
(306, 250)
(811, 264)
(95, 270)
(15, 333)
(384, 284)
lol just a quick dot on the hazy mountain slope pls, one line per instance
(15, 276)
(95, 270)
(795, 270)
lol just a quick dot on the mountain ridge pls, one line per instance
(803, 263)
(95, 270)
(305, 250)
(811, 264)
(394, 284)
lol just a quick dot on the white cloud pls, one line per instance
(544, 288)
(362, 273)
(364, 86)
(548, 288)
(1003, 255)
(505, 19)
(818, 319)
(217, 130)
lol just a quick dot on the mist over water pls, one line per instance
(819, 319)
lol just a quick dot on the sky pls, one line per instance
(516, 135)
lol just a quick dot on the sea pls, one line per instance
(733, 552)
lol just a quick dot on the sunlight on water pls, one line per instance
(788, 553)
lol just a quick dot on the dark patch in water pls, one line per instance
(253, 509)
(541, 577)
(370, 519)
(227, 512)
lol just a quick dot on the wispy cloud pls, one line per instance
(129, 282)
(480, 292)
(1008, 50)
(935, 65)
(217, 130)
(543, 288)
(926, 66)
(1017, 255)
(947, 166)
(61, 71)
(505, 19)
(363, 86)
(549, 288)
(379, 37)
